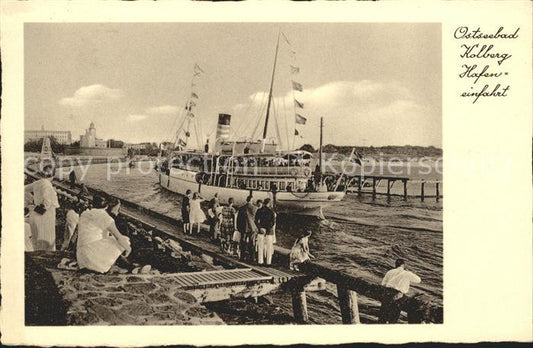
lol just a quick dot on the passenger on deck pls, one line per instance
(247, 228)
(196, 215)
(43, 217)
(398, 279)
(100, 243)
(265, 219)
(300, 251)
(185, 210)
(228, 227)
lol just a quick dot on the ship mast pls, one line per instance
(320, 148)
(270, 95)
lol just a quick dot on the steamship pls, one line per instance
(242, 168)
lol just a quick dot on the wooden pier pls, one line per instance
(239, 279)
(368, 184)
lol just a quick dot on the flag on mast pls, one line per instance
(197, 70)
(298, 104)
(300, 119)
(297, 86)
(286, 40)
(294, 69)
(194, 95)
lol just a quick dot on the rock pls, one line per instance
(158, 297)
(132, 279)
(143, 288)
(171, 316)
(199, 311)
(184, 297)
(107, 301)
(127, 296)
(137, 309)
(82, 318)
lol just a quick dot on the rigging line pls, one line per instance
(183, 118)
(278, 134)
(195, 125)
(259, 116)
(271, 88)
(170, 137)
(286, 124)
(235, 132)
(175, 137)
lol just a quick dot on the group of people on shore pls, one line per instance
(247, 232)
(94, 231)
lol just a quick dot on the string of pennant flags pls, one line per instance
(197, 71)
(296, 87)
(298, 105)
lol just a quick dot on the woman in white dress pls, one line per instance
(100, 243)
(42, 218)
(196, 215)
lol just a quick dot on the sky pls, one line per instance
(373, 83)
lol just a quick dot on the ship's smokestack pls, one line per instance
(223, 127)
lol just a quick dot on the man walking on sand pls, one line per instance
(398, 279)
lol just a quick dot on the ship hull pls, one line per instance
(301, 203)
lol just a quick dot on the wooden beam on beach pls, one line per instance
(348, 305)
(299, 305)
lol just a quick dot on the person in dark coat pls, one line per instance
(247, 227)
(185, 209)
(265, 218)
(72, 178)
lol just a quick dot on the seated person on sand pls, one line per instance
(100, 243)
(300, 251)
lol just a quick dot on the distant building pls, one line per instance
(62, 137)
(89, 139)
(140, 146)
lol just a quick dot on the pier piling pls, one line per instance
(360, 186)
(422, 191)
(437, 192)
(299, 305)
(388, 189)
(348, 305)
(404, 190)
(373, 188)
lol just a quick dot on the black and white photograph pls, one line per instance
(233, 173)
